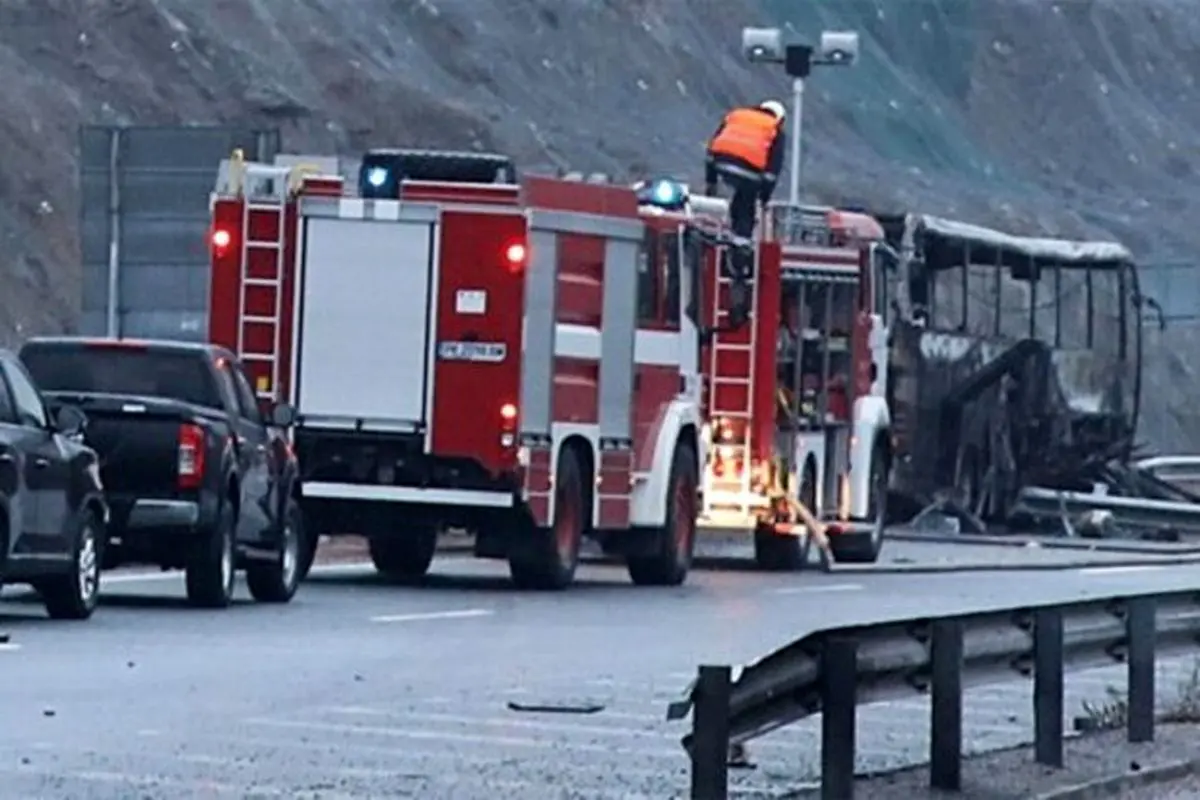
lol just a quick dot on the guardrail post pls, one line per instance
(1140, 633)
(839, 698)
(1048, 686)
(710, 734)
(945, 741)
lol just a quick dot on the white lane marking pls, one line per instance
(466, 738)
(832, 587)
(655, 729)
(172, 575)
(8, 647)
(1119, 570)
(463, 613)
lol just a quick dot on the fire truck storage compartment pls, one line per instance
(364, 320)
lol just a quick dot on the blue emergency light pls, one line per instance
(377, 176)
(664, 193)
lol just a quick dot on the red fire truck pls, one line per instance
(795, 439)
(457, 348)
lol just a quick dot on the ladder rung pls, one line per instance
(251, 206)
(257, 320)
(272, 282)
(737, 414)
(263, 245)
(257, 357)
(733, 348)
(732, 381)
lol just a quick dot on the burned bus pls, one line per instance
(1015, 362)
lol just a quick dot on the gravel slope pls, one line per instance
(1063, 117)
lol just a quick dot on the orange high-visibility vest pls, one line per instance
(747, 136)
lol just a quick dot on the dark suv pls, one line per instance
(52, 509)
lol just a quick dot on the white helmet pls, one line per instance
(774, 107)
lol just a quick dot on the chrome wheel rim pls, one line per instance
(227, 564)
(290, 558)
(87, 565)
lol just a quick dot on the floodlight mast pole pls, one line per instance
(797, 141)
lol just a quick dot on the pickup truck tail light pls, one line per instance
(191, 456)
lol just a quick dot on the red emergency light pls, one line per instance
(515, 255)
(221, 239)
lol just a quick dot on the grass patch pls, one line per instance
(1113, 711)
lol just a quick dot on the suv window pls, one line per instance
(108, 368)
(8, 410)
(246, 398)
(229, 392)
(30, 409)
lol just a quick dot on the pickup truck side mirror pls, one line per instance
(70, 420)
(283, 415)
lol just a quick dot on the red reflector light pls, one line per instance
(508, 412)
(515, 254)
(191, 456)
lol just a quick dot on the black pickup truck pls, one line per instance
(195, 478)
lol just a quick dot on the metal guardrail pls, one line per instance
(834, 671)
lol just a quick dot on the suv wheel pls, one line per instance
(75, 594)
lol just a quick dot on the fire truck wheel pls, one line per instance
(406, 555)
(863, 547)
(547, 560)
(777, 553)
(677, 539)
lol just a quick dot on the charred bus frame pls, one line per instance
(1008, 395)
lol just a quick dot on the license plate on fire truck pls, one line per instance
(489, 352)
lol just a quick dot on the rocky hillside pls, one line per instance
(1064, 117)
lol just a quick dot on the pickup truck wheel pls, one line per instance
(547, 560)
(405, 555)
(210, 571)
(74, 595)
(276, 581)
(677, 539)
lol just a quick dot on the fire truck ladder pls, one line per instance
(266, 199)
(740, 452)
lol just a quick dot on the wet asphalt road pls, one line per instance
(359, 689)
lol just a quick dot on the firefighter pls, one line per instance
(747, 153)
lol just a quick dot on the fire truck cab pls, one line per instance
(794, 365)
(454, 347)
